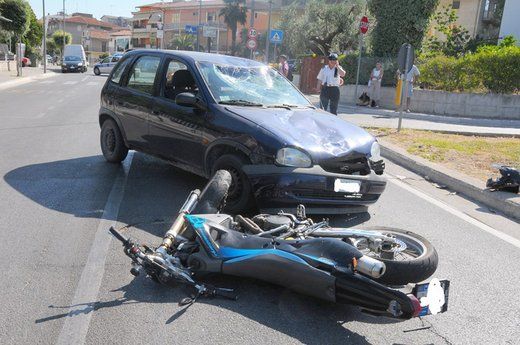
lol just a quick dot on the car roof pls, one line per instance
(192, 56)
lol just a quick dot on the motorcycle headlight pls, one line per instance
(375, 152)
(292, 157)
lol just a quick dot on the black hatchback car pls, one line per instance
(204, 112)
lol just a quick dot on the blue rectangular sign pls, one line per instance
(190, 29)
(276, 36)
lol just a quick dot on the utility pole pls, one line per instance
(268, 32)
(252, 21)
(63, 34)
(198, 26)
(44, 40)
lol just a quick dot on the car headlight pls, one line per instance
(292, 157)
(80, 64)
(375, 152)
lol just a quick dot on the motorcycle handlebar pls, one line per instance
(118, 235)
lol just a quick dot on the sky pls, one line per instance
(96, 7)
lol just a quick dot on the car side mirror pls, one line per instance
(187, 99)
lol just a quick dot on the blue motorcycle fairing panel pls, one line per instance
(236, 254)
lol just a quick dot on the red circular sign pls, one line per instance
(363, 26)
(251, 44)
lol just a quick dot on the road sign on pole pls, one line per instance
(363, 25)
(251, 44)
(252, 33)
(190, 29)
(209, 31)
(276, 36)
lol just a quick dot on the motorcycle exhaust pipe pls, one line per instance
(370, 267)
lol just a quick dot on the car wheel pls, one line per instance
(112, 143)
(240, 197)
(97, 71)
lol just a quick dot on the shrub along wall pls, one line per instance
(491, 69)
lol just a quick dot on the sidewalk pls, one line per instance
(9, 78)
(383, 118)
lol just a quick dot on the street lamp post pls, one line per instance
(63, 34)
(44, 40)
(268, 32)
(198, 26)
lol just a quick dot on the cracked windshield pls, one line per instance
(250, 86)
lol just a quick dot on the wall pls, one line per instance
(510, 23)
(468, 13)
(494, 106)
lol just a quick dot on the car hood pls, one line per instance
(323, 135)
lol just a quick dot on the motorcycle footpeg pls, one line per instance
(226, 293)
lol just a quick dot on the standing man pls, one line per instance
(329, 81)
(411, 77)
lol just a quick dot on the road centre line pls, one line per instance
(77, 321)
(505, 237)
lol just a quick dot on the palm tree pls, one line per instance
(182, 42)
(234, 13)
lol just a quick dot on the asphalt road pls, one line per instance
(66, 281)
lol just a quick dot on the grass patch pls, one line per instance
(472, 155)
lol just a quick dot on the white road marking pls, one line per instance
(84, 79)
(93, 83)
(51, 107)
(505, 237)
(70, 82)
(77, 321)
(47, 82)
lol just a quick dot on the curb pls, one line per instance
(494, 200)
(25, 80)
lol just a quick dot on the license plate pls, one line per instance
(347, 186)
(433, 296)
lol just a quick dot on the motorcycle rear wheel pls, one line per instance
(415, 264)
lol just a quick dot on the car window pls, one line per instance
(178, 79)
(105, 60)
(118, 72)
(115, 59)
(142, 74)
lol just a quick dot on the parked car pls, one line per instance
(106, 65)
(26, 61)
(204, 112)
(74, 59)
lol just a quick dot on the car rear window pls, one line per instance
(142, 74)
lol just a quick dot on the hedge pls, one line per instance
(492, 69)
(349, 63)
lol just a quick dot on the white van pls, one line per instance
(74, 59)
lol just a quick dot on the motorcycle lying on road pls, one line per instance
(373, 269)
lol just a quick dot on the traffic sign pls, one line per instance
(251, 44)
(276, 36)
(190, 29)
(363, 25)
(209, 31)
(252, 33)
(406, 57)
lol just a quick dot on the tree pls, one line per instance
(16, 12)
(182, 42)
(455, 37)
(322, 27)
(234, 13)
(399, 22)
(33, 36)
(58, 37)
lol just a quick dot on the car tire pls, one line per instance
(112, 143)
(240, 196)
(97, 71)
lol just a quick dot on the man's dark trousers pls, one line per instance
(330, 95)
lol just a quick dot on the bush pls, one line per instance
(492, 68)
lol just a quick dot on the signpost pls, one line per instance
(251, 43)
(363, 28)
(405, 60)
(209, 32)
(276, 37)
(190, 29)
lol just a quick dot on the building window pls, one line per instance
(455, 5)
(256, 15)
(211, 16)
(176, 18)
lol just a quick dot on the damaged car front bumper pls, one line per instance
(322, 192)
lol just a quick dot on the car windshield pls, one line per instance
(250, 86)
(72, 58)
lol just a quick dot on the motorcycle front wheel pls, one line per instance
(415, 259)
